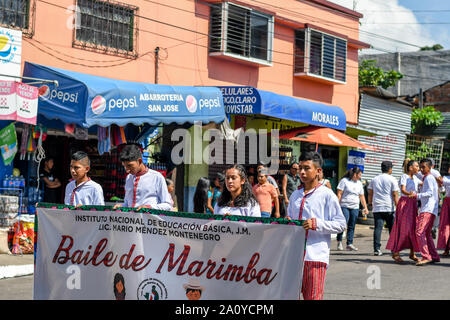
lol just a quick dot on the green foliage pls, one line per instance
(423, 151)
(371, 75)
(434, 48)
(425, 119)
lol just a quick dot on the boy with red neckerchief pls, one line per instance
(144, 188)
(319, 207)
(82, 190)
(429, 199)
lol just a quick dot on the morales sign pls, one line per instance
(83, 254)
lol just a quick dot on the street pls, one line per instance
(351, 276)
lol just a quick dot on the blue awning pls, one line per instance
(252, 101)
(88, 100)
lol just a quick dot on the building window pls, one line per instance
(106, 26)
(241, 33)
(15, 14)
(320, 54)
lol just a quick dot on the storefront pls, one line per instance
(97, 115)
(251, 108)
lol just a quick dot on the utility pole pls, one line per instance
(399, 68)
(420, 98)
(156, 64)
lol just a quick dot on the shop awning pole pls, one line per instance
(38, 81)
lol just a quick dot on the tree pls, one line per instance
(371, 75)
(423, 119)
(434, 48)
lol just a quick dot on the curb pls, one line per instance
(16, 271)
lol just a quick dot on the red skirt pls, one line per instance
(444, 225)
(403, 233)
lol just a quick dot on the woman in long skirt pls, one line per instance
(444, 219)
(403, 234)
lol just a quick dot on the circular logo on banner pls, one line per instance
(191, 104)
(6, 47)
(332, 137)
(44, 91)
(152, 289)
(98, 105)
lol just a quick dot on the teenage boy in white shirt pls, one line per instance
(383, 196)
(319, 207)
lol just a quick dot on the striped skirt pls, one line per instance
(403, 234)
(313, 280)
(444, 225)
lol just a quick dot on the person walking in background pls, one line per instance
(324, 181)
(51, 182)
(144, 187)
(319, 207)
(291, 182)
(171, 190)
(403, 234)
(383, 196)
(270, 179)
(202, 203)
(82, 190)
(350, 192)
(429, 205)
(237, 197)
(265, 194)
(444, 223)
(216, 190)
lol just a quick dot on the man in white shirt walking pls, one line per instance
(429, 199)
(383, 196)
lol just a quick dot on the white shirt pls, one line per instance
(247, 211)
(446, 185)
(351, 190)
(383, 186)
(323, 205)
(411, 184)
(434, 172)
(87, 193)
(149, 188)
(429, 195)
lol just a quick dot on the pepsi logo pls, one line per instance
(44, 91)
(191, 104)
(98, 105)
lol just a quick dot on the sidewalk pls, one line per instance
(16, 265)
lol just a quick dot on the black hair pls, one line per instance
(385, 166)
(201, 195)
(315, 157)
(130, 152)
(242, 199)
(169, 182)
(48, 159)
(118, 277)
(292, 164)
(351, 172)
(221, 177)
(193, 290)
(80, 155)
(427, 161)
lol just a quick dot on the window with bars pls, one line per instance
(241, 32)
(106, 25)
(15, 14)
(320, 54)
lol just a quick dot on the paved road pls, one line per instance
(346, 278)
(349, 273)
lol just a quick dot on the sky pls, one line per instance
(409, 23)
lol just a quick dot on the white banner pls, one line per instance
(119, 255)
(10, 53)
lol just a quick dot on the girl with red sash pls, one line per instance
(444, 223)
(403, 234)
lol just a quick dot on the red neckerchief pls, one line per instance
(72, 197)
(136, 180)
(423, 179)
